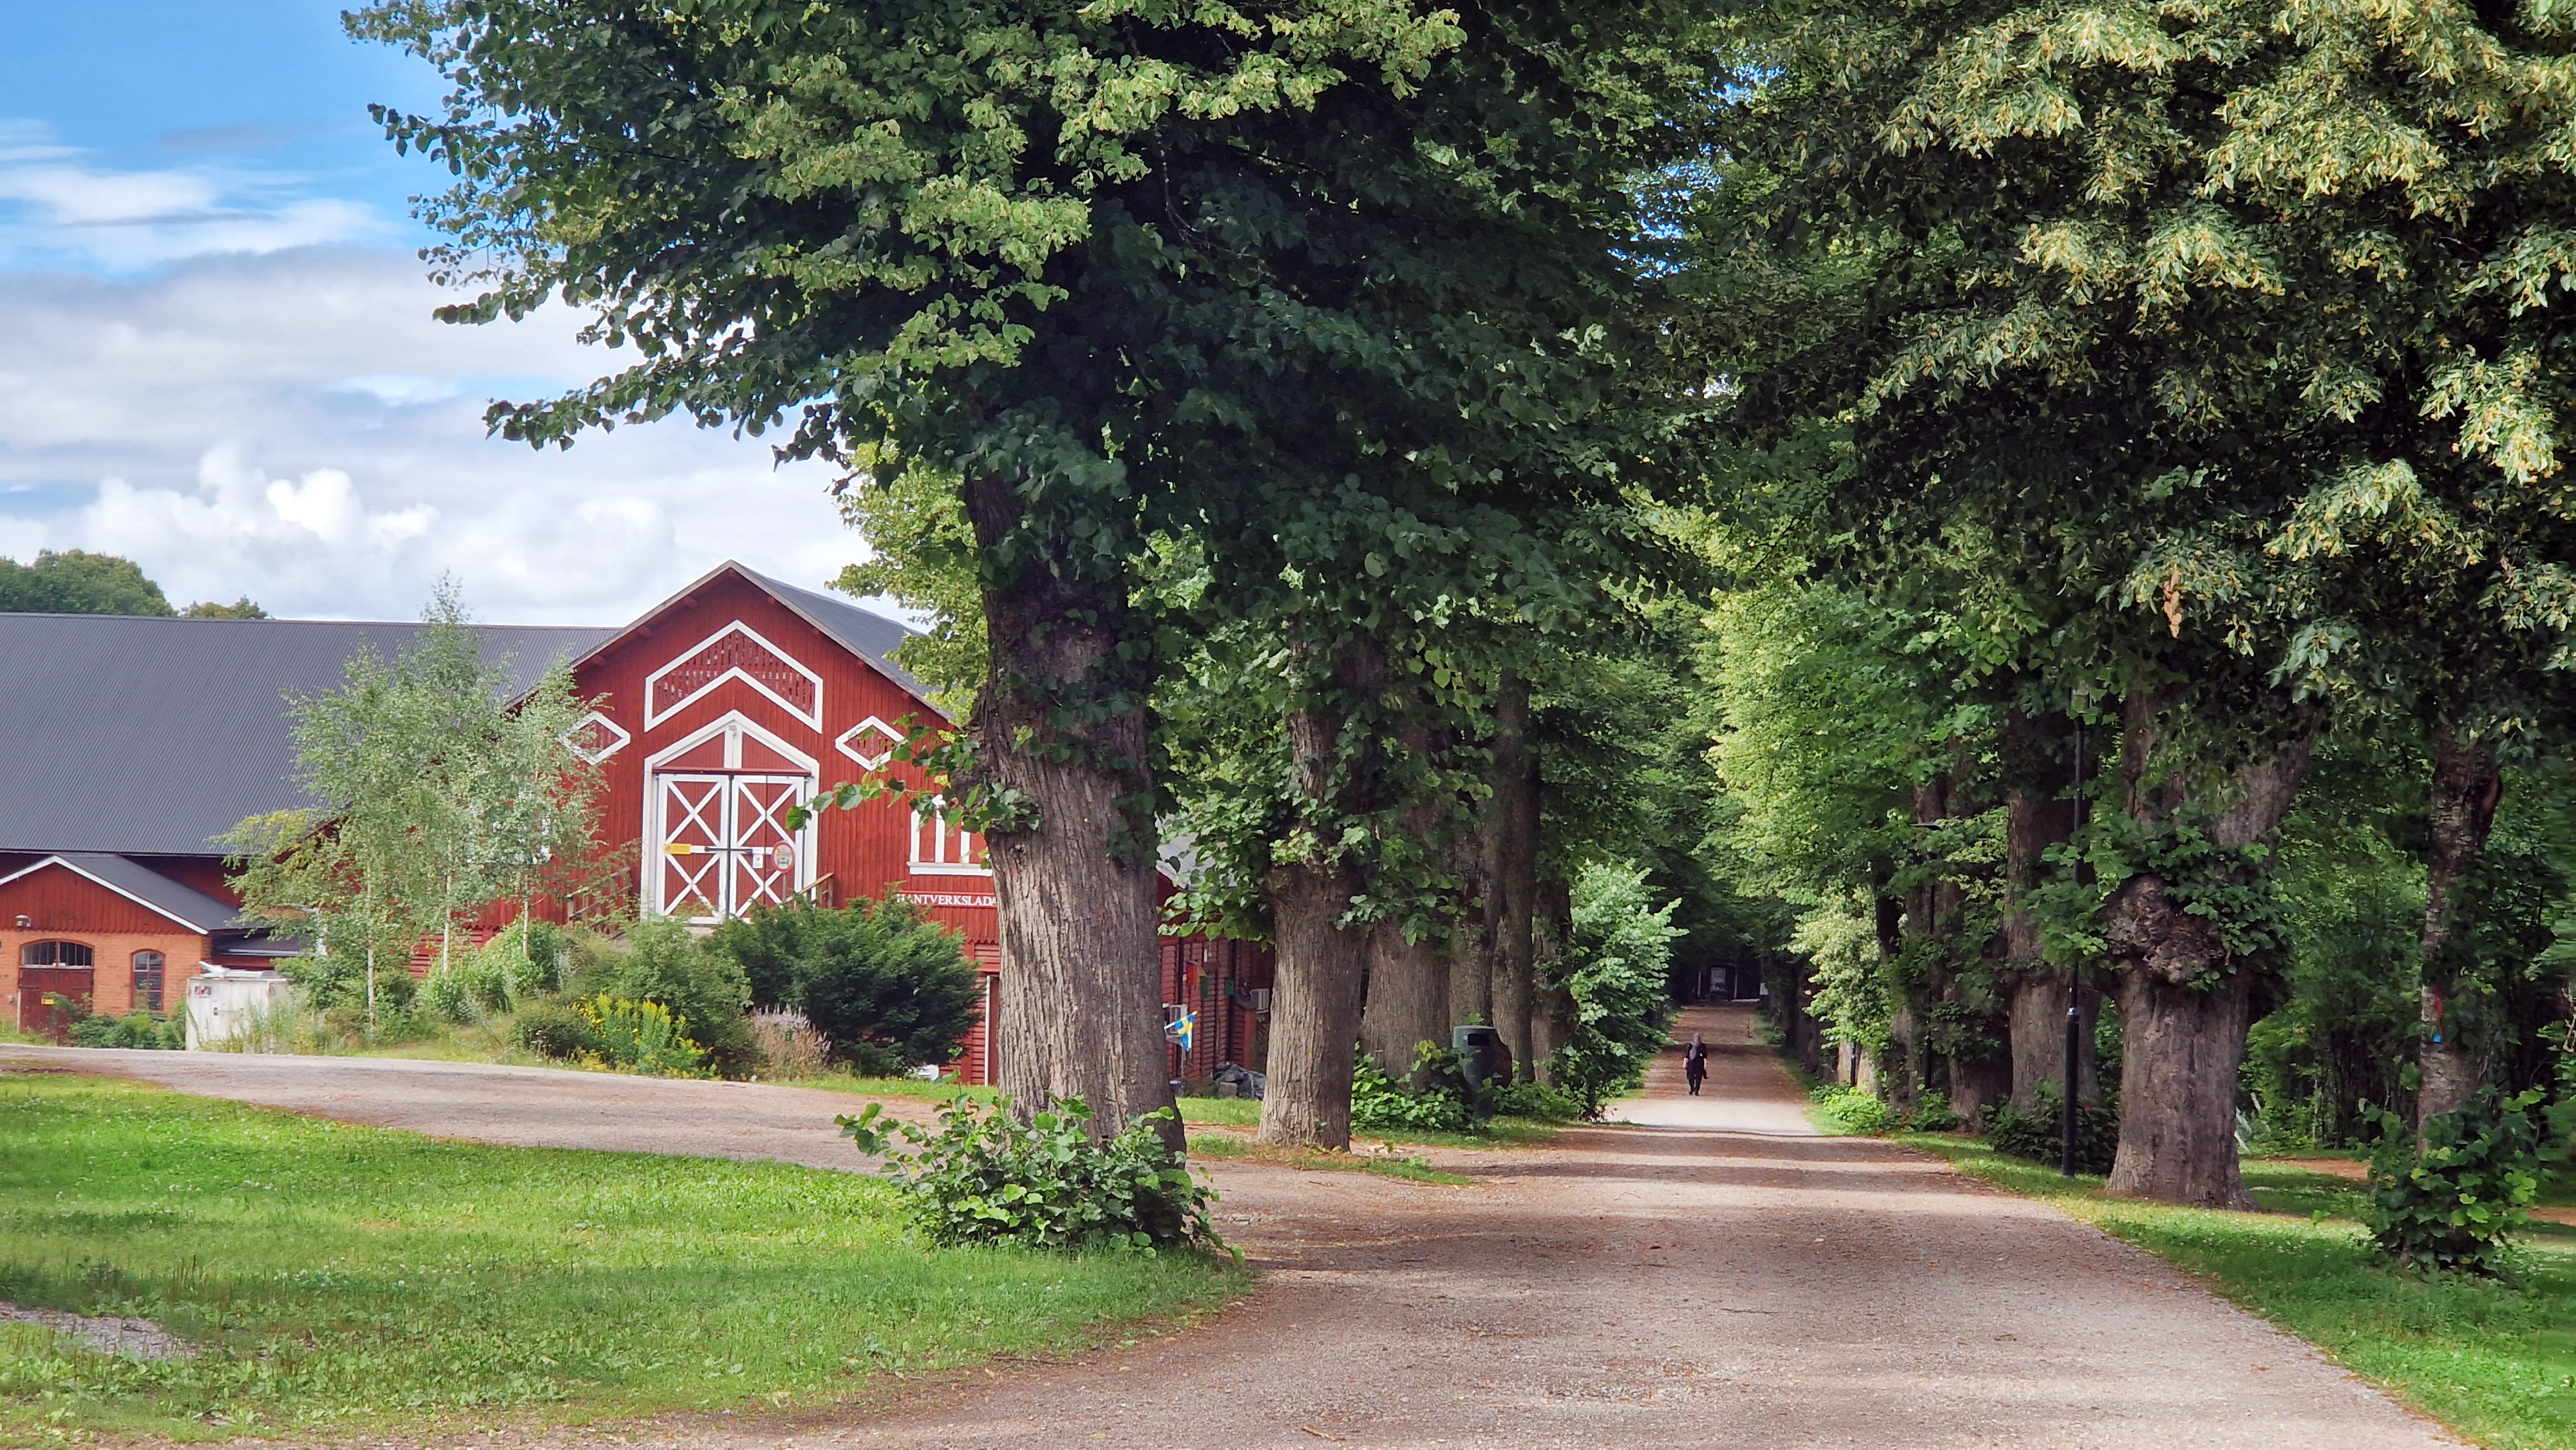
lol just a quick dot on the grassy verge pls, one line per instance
(1498, 1132)
(348, 1278)
(1228, 1145)
(2495, 1362)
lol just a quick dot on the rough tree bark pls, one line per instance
(1552, 1019)
(2461, 806)
(1075, 885)
(2184, 1002)
(1512, 870)
(1314, 1008)
(2038, 814)
(1407, 995)
(1315, 987)
(1471, 944)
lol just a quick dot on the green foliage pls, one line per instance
(77, 582)
(984, 1177)
(1536, 1101)
(450, 789)
(1380, 1103)
(886, 986)
(1932, 1114)
(553, 1028)
(349, 1282)
(135, 1029)
(644, 1037)
(241, 608)
(2450, 1201)
(2040, 1135)
(662, 962)
(519, 964)
(1852, 1110)
(1615, 967)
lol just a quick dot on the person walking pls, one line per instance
(1695, 1063)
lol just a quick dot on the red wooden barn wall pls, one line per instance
(864, 851)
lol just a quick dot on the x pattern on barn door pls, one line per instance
(725, 844)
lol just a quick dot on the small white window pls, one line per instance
(940, 849)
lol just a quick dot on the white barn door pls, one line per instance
(723, 846)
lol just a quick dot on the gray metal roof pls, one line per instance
(868, 634)
(144, 736)
(185, 905)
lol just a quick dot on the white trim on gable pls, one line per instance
(163, 912)
(848, 746)
(655, 713)
(733, 726)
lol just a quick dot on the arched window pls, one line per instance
(147, 981)
(54, 954)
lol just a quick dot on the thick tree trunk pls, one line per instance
(1314, 1009)
(2182, 1047)
(1470, 952)
(1074, 877)
(1552, 1025)
(1315, 994)
(2461, 808)
(1408, 999)
(1513, 868)
(2038, 814)
(2185, 1001)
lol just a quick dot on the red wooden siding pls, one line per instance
(691, 645)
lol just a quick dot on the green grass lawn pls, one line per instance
(350, 1278)
(2495, 1362)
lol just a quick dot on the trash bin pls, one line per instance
(1478, 1049)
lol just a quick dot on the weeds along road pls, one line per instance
(1720, 1277)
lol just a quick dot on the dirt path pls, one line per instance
(1730, 1280)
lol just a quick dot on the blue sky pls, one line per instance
(216, 355)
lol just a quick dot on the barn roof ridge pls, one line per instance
(863, 632)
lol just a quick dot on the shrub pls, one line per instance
(984, 1176)
(1853, 1110)
(644, 1037)
(661, 962)
(552, 1029)
(889, 989)
(1933, 1114)
(2449, 1202)
(1379, 1103)
(1537, 1100)
(1614, 967)
(138, 1029)
(2040, 1136)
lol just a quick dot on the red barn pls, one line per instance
(136, 741)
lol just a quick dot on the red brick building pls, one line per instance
(721, 708)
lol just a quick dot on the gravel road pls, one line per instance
(1718, 1277)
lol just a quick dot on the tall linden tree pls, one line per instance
(1110, 271)
(2209, 321)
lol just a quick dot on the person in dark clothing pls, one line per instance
(1695, 1063)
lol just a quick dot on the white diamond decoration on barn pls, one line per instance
(856, 741)
(596, 738)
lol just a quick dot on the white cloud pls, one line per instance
(57, 205)
(296, 427)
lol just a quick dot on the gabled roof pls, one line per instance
(149, 737)
(865, 633)
(143, 886)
